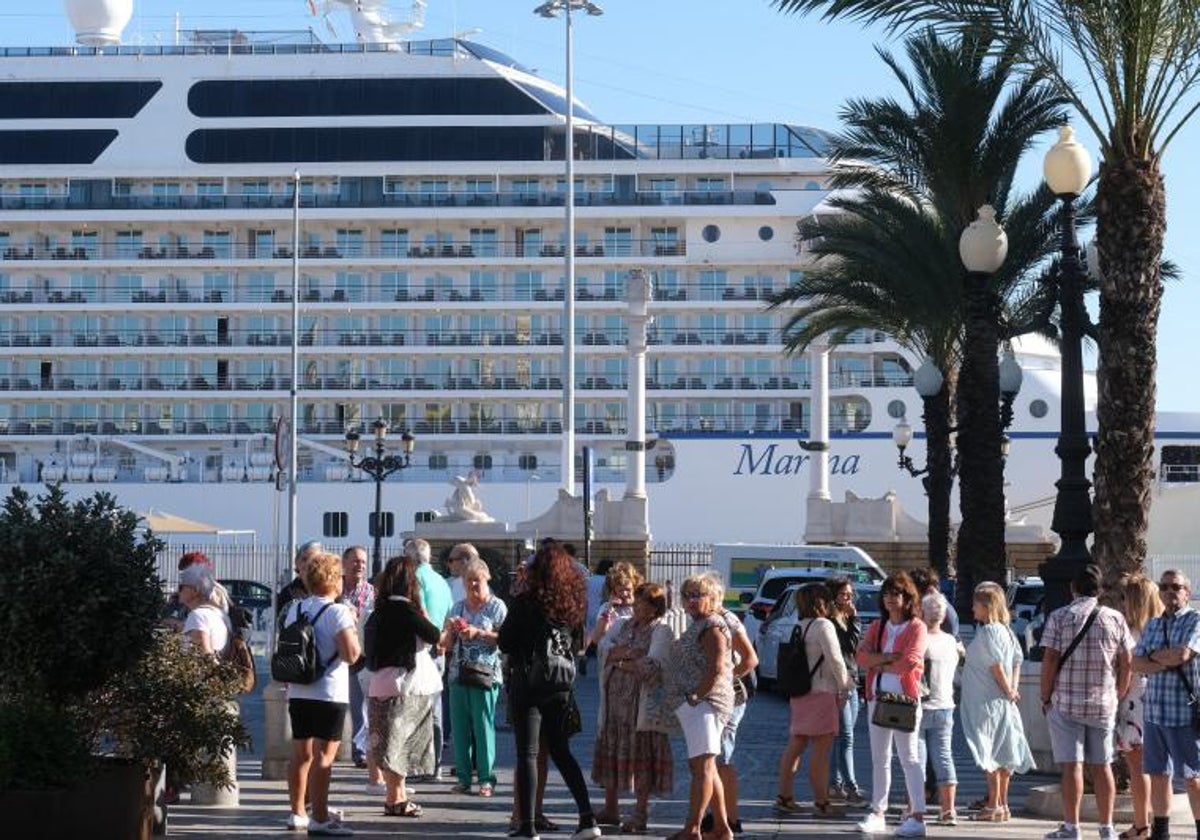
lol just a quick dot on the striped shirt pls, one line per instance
(1086, 688)
(1166, 702)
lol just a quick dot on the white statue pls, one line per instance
(463, 505)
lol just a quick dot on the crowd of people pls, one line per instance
(413, 658)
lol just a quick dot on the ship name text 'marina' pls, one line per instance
(767, 460)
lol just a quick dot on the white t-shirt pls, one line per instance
(208, 620)
(889, 682)
(334, 687)
(942, 652)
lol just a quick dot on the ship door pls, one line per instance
(223, 331)
(222, 373)
(47, 376)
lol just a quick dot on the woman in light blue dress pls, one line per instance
(990, 718)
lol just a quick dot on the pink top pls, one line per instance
(910, 645)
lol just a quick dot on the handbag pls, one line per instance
(476, 674)
(893, 711)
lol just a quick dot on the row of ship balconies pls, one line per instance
(507, 292)
(846, 421)
(471, 200)
(436, 382)
(334, 338)
(120, 252)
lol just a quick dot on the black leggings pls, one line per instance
(531, 715)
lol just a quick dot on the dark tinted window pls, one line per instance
(325, 145)
(83, 146)
(74, 100)
(358, 98)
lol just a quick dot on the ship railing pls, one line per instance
(1179, 473)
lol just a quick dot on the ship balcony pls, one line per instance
(439, 249)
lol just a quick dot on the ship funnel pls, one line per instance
(98, 23)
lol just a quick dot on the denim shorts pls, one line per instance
(1169, 749)
(729, 735)
(937, 728)
(1073, 740)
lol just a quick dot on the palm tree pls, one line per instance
(923, 167)
(1141, 63)
(885, 262)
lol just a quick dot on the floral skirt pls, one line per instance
(624, 758)
(401, 733)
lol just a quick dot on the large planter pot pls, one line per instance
(117, 802)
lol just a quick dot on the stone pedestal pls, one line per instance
(277, 734)
(1046, 801)
(1037, 731)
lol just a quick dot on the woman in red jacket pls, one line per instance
(893, 652)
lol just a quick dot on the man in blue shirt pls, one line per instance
(436, 599)
(1167, 653)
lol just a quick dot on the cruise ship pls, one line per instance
(147, 251)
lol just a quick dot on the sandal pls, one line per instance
(1134, 832)
(786, 806)
(633, 825)
(404, 808)
(543, 823)
(988, 814)
(826, 809)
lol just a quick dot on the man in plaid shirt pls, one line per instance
(1167, 652)
(1080, 697)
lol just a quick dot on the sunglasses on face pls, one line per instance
(1171, 587)
(693, 596)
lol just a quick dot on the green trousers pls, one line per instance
(473, 721)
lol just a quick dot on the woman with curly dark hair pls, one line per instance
(539, 638)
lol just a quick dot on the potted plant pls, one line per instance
(93, 697)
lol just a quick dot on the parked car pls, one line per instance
(253, 596)
(777, 630)
(773, 583)
(1024, 603)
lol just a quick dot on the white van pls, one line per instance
(742, 565)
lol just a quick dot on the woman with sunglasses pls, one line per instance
(700, 691)
(893, 652)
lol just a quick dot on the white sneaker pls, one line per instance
(911, 827)
(873, 824)
(376, 788)
(587, 833)
(297, 822)
(1107, 832)
(333, 828)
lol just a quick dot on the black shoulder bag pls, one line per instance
(892, 711)
(1062, 660)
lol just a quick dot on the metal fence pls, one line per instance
(671, 564)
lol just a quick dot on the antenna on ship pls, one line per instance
(372, 22)
(98, 23)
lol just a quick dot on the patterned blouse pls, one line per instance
(691, 664)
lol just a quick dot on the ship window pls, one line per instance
(359, 97)
(896, 409)
(75, 100)
(388, 520)
(54, 147)
(527, 462)
(482, 462)
(766, 233)
(711, 233)
(333, 145)
(438, 461)
(1039, 409)
(335, 524)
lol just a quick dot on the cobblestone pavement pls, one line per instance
(263, 807)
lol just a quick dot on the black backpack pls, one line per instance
(296, 659)
(552, 665)
(794, 676)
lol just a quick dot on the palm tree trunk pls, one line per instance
(939, 481)
(1131, 217)
(981, 553)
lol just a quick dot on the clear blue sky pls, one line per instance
(671, 61)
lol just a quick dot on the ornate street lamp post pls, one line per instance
(1068, 170)
(379, 467)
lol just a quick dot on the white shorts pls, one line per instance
(701, 728)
